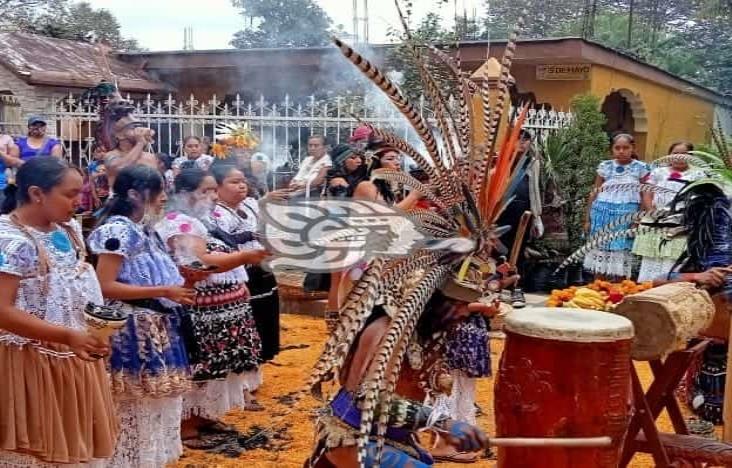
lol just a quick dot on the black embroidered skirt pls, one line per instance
(221, 335)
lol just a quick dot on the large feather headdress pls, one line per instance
(470, 179)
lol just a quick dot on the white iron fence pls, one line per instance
(282, 127)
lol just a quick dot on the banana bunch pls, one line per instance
(586, 298)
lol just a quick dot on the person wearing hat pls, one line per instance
(129, 139)
(360, 137)
(36, 143)
(347, 171)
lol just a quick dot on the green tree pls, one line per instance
(281, 23)
(544, 18)
(19, 15)
(430, 30)
(580, 148)
(691, 38)
(74, 21)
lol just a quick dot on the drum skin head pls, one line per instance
(574, 325)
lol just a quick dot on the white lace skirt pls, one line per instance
(610, 263)
(212, 398)
(462, 399)
(150, 433)
(655, 268)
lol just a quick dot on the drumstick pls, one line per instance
(576, 442)
(519, 239)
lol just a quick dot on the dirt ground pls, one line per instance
(302, 340)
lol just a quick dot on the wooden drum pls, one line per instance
(563, 373)
(665, 318)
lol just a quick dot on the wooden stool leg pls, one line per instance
(648, 423)
(643, 419)
(668, 399)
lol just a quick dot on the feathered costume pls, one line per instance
(469, 195)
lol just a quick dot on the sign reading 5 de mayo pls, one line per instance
(564, 71)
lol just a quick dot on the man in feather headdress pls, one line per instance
(384, 354)
(422, 374)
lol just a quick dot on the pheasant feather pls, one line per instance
(600, 240)
(356, 309)
(401, 103)
(409, 181)
(636, 187)
(401, 326)
(506, 63)
(435, 175)
(684, 158)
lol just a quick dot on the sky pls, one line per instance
(159, 24)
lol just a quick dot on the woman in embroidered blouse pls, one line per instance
(223, 346)
(50, 364)
(148, 364)
(237, 215)
(659, 254)
(614, 197)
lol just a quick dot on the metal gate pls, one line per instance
(282, 127)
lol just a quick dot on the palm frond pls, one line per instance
(709, 158)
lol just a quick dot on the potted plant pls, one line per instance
(573, 154)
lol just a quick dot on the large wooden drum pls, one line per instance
(666, 317)
(563, 373)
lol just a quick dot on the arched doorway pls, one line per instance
(625, 113)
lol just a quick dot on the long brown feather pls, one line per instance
(465, 99)
(391, 91)
(497, 112)
(447, 126)
(436, 175)
(356, 309)
(409, 181)
(400, 327)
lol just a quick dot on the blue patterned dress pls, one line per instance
(615, 259)
(467, 352)
(148, 363)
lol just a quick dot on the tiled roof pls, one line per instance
(47, 61)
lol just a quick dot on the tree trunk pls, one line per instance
(631, 9)
(588, 19)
